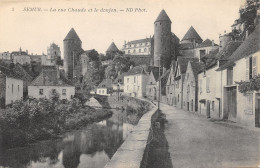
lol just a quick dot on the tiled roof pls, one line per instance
(22, 73)
(139, 41)
(8, 72)
(248, 47)
(155, 71)
(120, 77)
(206, 43)
(106, 83)
(48, 77)
(224, 54)
(137, 70)
(183, 62)
(164, 78)
(191, 35)
(72, 35)
(197, 67)
(112, 48)
(163, 17)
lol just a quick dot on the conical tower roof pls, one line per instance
(72, 35)
(192, 35)
(112, 48)
(163, 17)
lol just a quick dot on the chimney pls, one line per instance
(213, 43)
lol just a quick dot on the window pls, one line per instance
(145, 49)
(188, 89)
(102, 91)
(140, 50)
(230, 76)
(12, 88)
(63, 91)
(178, 98)
(208, 84)
(41, 92)
(134, 50)
(213, 105)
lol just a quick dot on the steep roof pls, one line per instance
(248, 47)
(183, 62)
(112, 48)
(224, 54)
(120, 77)
(191, 35)
(136, 70)
(206, 43)
(197, 67)
(72, 35)
(163, 17)
(106, 83)
(48, 77)
(140, 41)
(8, 72)
(155, 71)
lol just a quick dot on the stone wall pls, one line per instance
(133, 152)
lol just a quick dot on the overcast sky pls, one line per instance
(36, 30)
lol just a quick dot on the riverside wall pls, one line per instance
(133, 152)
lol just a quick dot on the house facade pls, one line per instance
(21, 57)
(5, 56)
(243, 65)
(48, 83)
(204, 48)
(152, 87)
(11, 87)
(105, 88)
(135, 82)
(190, 86)
(138, 47)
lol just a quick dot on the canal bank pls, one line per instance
(133, 153)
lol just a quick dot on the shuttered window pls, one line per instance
(208, 84)
(247, 68)
(254, 67)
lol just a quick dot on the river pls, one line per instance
(89, 147)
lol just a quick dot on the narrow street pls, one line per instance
(196, 142)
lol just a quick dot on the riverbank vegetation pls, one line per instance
(29, 121)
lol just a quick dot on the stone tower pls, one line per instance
(72, 49)
(162, 37)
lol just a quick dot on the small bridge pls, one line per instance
(101, 101)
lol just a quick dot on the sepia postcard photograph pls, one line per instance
(130, 84)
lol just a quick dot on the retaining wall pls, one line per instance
(133, 152)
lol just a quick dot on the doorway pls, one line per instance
(188, 106)
(208, 109)
(257, 110)
(232, 102)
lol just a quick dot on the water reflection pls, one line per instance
(90, 147)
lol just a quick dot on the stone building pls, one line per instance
(105, 87)
(72, 49)
(204, 48)
(5, 56)
(209, 80)
(135, 81)
(21, 57)
(11, 86)
(242, 65)
(138, 47)
(118, 83)
(112, 51)
(190, 85)
(152, 86)
(53, 53)
(189, 42)
(165, 42)
(50, 82)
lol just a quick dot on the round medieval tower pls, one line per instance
(162, 37)
(72, 48)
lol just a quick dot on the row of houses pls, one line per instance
(23, 57)
(17, 84)
(206, 85)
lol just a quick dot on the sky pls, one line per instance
(36, 30)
